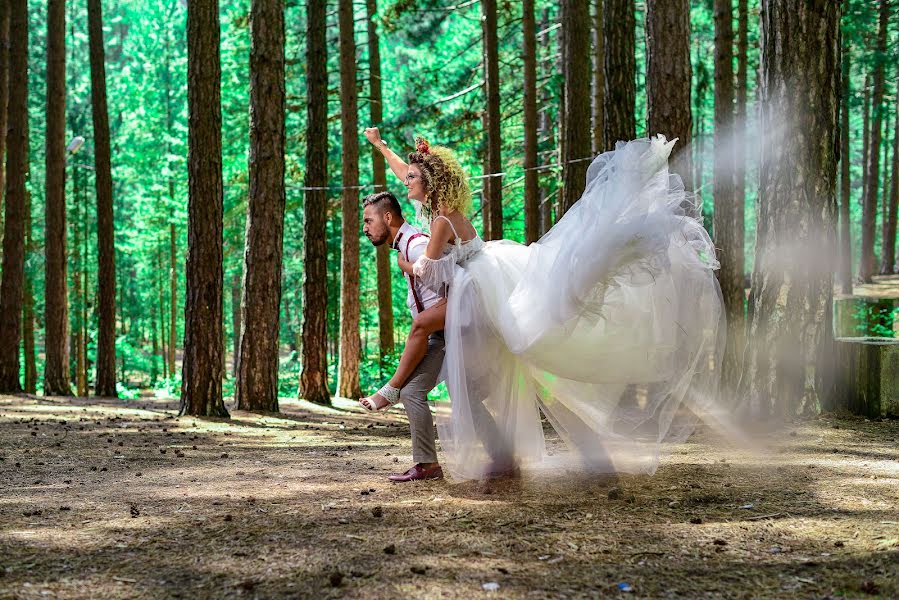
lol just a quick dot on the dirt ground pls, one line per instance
(121, 499)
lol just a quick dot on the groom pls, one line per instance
(384, 223)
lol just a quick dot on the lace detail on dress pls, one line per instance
(436, 273)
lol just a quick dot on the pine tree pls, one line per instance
(531, 177)
(106, 357)
(56, 339)
(314, 377)
(872, 167)
(257, 367)
(578, 138)
(379, 175)
(12, 285)
(728, 220)
(201, 375)
(668, 79)
(493, 186)
(790, 333)
(618, 27)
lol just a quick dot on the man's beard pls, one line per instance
(377, 241)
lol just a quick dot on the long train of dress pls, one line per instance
(611, 325)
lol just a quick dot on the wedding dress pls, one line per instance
(611, 325)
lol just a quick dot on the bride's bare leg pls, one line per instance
(426, 323)
(423, 326)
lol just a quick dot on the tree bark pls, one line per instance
(4, 95)
(379, 175)
(866, 135)
(350, 343)
(173, 297)
(578, 138)
(728, 220)
(869, 209)
(888, 255)
(668, 77)
(201, 374)
(235, 321)
(493, 215)
(78, 335)
(599, 78)
(531, 176)
(619, 27)
(314, 376)
(30, 379)
(106, 359)
(160, 300)
(740, 127)
(845, 173)
(56, 311)
(785, 367)
(257, 366)
(11, 287)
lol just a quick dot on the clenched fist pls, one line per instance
(373, 135)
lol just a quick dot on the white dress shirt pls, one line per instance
(415, 249)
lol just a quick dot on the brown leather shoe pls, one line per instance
(418, 473)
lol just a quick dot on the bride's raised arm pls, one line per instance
(397, 164)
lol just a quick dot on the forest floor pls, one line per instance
(121, 499)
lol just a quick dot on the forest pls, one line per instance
(182, 253)
(99, 218)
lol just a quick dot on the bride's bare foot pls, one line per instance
(374, 403)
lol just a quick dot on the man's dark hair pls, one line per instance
(385, 201)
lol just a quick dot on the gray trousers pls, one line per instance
(414, 396)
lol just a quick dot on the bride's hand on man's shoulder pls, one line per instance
(372, 134)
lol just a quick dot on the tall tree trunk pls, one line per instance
(257, 367)
(888, 256)
(314, 376)
(845, 172)
(531, 176)
(154, 342)
(668, 79)
(77, 291)
(866, 136)
(578, 138)
(201, 371)
(4, 95)
(872, 168)
(493, 215)
(618, 28)
(740, 126)
(599, 78)
(163, 330)
(785, 365)
(702, 84)
(546, 131)
(728, 216)
(106, 362)
(235, 322)
(30, 379)
(11, 287)
(173, 297)
(379, 172)
(56, 308)
(350, 342)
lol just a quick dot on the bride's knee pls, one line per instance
(418, 330)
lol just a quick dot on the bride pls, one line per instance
(610, 326)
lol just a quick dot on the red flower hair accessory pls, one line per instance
(421, 145)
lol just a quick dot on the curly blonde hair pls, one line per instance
(446, 185)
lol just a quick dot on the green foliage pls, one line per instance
(431, 65)
(873, 320)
